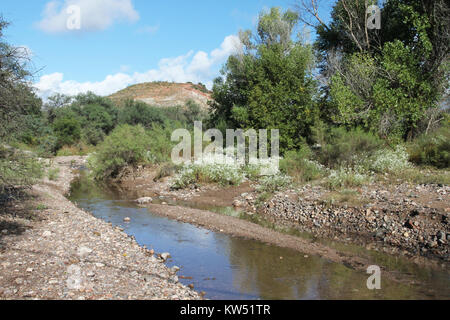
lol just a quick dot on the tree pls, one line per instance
(137, 112)
(269, 84)
(387, 80)
(17, 98)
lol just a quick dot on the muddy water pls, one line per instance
(226, 267)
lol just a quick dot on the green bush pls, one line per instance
(347, 147)
(136, 112)
(93, 135)
(297, 164)
(432, 149)
(53, 174)
(346, 178)
(271, 184)
(68, 130)
(18, 169)
(125, 146)
(161, 142)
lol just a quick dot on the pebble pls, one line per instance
(84, 252)
(47, 234)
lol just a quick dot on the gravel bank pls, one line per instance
(50, 249)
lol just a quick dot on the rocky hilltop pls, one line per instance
(165, 94)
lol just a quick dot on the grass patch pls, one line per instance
(53, 174)
(346, 196)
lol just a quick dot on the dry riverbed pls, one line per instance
(50, 249)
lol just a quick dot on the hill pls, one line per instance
(165, 94)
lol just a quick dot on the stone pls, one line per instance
(164, 256)
(237, 204)
(47, 234)
(144, 200)
(84, 252)
(126, 219)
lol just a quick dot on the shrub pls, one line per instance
(125, 146)
(48, 146)
(136, 112)
(53, 174)
(388, 160)
(223, 174)
(161, 142)
(18, 169)
(347, 147)
(271, 184)
(346, 178)
(221, 170)
(79, 149)
(68, 130)
(92, 135)
(297, 164)
(432, 149)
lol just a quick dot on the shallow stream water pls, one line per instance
(227, 267)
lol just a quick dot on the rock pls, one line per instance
(144, 200)
(127, 219)
(441, 235)
(30, 270)
(5, 231)
(237, 204)
(84, 252)
(191, 286)
(47, 234)
(175, 269)
(164, 256)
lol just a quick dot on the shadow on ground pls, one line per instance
(16, 209)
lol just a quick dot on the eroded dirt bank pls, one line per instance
(50, 249)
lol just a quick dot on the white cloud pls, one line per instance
(194, 67)
(95, 14)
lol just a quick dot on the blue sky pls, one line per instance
(122, 42)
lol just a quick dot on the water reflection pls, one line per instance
(232, 268)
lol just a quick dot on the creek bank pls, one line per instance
(61, 252)
(399, 218)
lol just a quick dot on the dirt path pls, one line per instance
(50, 249)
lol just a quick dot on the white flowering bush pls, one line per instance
(221, 169)
(388, 160)
(347, 177)
(274, 183)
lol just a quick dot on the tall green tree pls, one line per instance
(269, 83)
(17, 98)
(386, 80)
